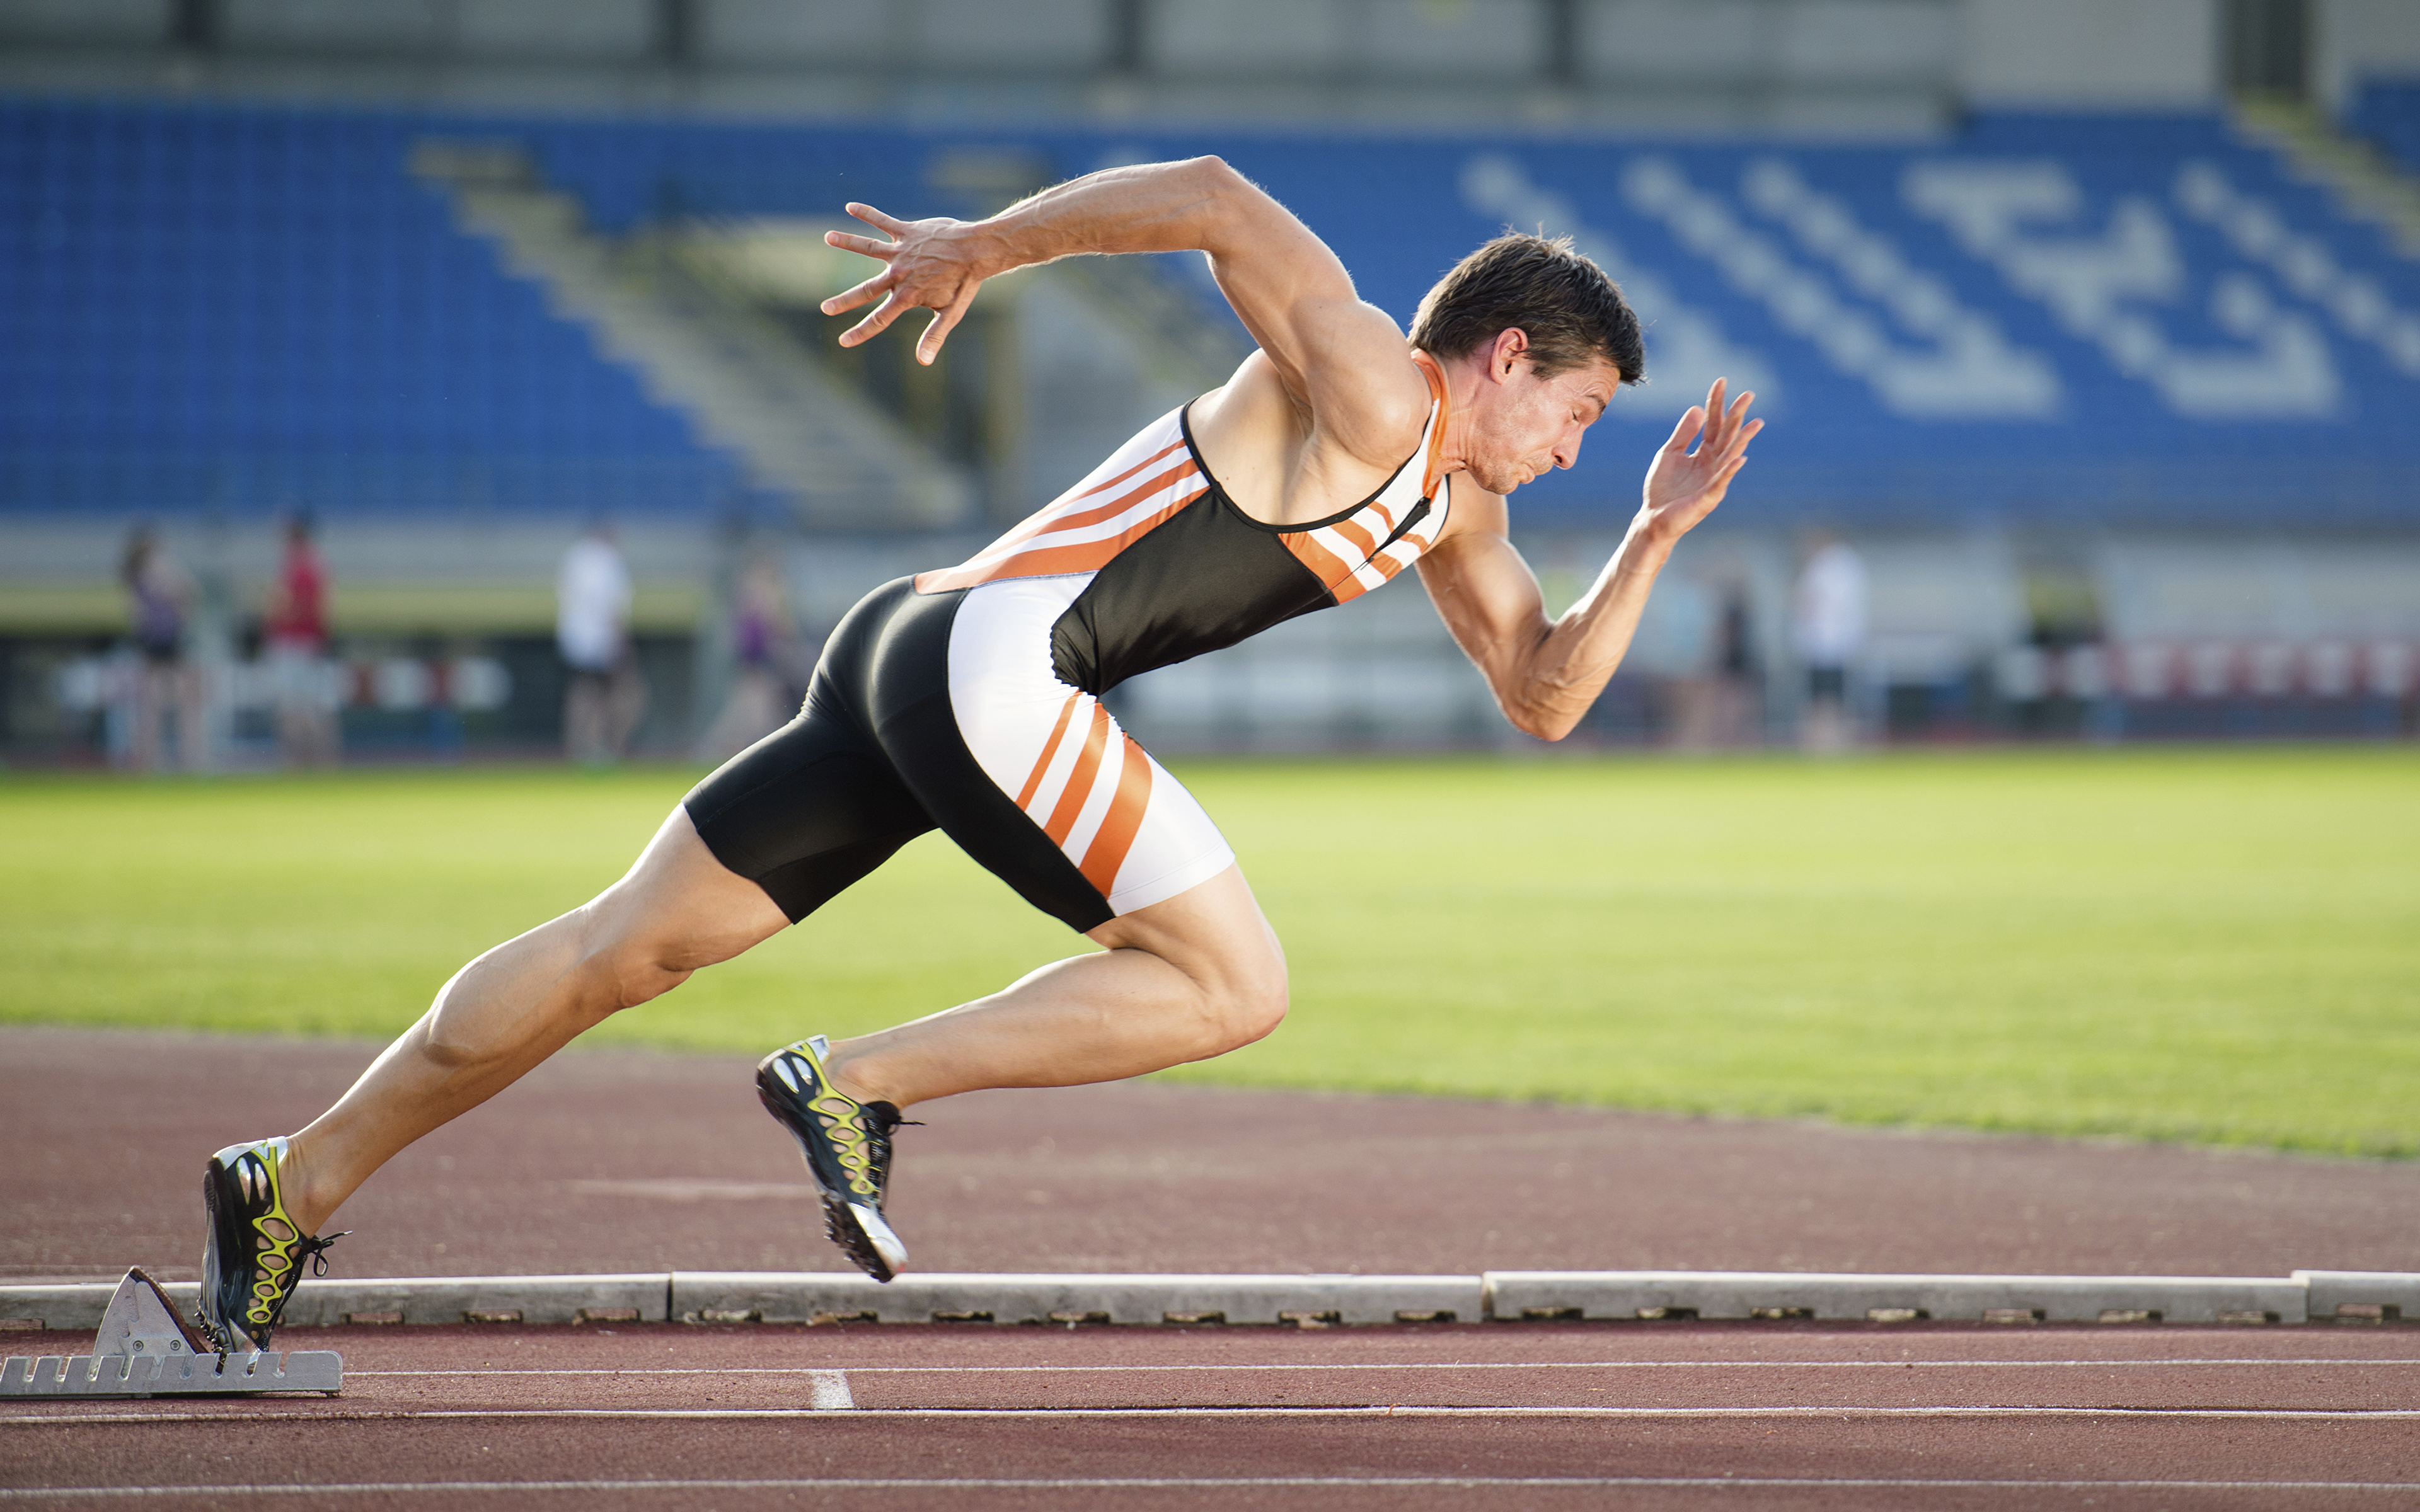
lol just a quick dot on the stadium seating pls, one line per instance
(2055, 318)
(2044, 319)
(2387, 112)
(239, 311)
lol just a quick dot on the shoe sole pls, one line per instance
(229, 1338)
(858, 1229)
(856, 1225)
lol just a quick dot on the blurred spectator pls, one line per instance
(162, 597)
(1829, 628)
(301, 680)
(606, 695)
(1717, 708)
(763, 649)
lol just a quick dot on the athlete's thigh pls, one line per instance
(680, 905)
(1213, 932)
(1033, 778)
(811, 807)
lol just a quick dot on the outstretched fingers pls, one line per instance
(1730, 432)
(877, 219)
(1692, 420)
(890, 309)
(928, 347)
(849, 299)
(862, 245)
(865, 246)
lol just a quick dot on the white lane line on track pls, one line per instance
(1423, 1364)
(1207, 1483)
(830, 1391)
(2277, 1414)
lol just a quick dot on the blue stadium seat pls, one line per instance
(2045, 317)
(228, 308)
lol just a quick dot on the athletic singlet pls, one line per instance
(1172, 567)
(968, 697)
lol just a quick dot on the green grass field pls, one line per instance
(2210, 945)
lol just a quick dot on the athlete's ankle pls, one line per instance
(304, 1201)
(852, 1078)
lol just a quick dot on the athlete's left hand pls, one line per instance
(930, 266)
(1684, 487)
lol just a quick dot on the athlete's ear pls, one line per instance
(1510, 350)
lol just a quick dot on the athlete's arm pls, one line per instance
(1336, 358)
(1547, 673)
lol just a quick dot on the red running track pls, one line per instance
(631, 1160)
(622, 1159)
(1492, 1415)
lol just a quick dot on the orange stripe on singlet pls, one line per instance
(1176, 445)
(1049, 748)
(1107, 851)
(1352, 587)
(1059, 514)
(1040, 558)
(1079, 782)
(1325, 564)
(1431, 474)
(1071, 517)
(1045, 560)
(1362, 540)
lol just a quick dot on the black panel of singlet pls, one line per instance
(874, 759)
(1207, 578)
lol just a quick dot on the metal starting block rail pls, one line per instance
(145, 1349)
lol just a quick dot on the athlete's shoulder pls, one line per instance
(1257, 413)
(1475, 510)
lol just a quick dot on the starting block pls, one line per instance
(146, 1350)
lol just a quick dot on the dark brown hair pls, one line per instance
(1563, 302)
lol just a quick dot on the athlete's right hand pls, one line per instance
(932, 265)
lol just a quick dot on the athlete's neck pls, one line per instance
(1454, 386)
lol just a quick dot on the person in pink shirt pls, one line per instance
(297, 633)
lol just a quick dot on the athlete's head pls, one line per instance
(1549, 338)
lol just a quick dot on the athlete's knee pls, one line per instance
(1246, 1003)
(640, 968)
(634, 954)
(653, 929)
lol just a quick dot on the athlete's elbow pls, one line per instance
(1216, 172)
(1548, 730)
(1211, 181)
(1232, 211)
(1541, 719)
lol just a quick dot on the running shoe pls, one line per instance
(253, 1255)
(847, 1146)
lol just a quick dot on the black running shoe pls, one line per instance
(847, 1146)
(253, 1255)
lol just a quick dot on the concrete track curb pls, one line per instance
(2015, 1299)
(774, 1297)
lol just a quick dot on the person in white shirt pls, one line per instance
(1829, 626)
(605, 695)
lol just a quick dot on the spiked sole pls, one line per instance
(858, 1228)
(786, 1082)
(229, 1338)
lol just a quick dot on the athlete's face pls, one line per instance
(1523, 425)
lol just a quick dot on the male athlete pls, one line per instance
(969, 699)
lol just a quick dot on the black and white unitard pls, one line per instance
(968, 697)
